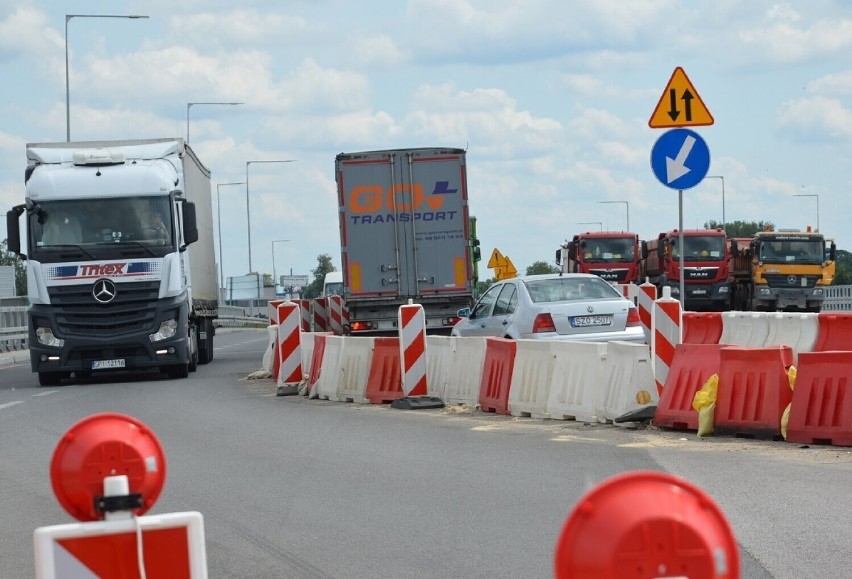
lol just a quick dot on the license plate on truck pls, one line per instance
(107, 364)
(589, 321)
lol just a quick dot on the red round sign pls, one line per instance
(646, 524)
(102, 445)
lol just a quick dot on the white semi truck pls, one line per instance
(121, 273)
(405, 234)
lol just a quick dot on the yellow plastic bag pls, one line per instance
(785, 417)
(705, 403)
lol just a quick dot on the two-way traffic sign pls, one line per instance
(680, 105)
(680, 159)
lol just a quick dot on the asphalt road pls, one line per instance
(291, 487)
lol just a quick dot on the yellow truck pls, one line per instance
(784, 270)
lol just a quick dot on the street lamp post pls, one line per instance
(598, 223)
(68, 18)
(248, 207)
(817, 203)
(219, 211)
(626, 206)
(721, 178)
(190, 105)
(275, 279)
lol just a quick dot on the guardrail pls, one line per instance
(14, 331)
(13, 328)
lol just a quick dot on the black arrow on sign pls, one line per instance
(687, 99)
(673, 112)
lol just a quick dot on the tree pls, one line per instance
(9, 258)
(267, 280)
(314, 289)
(843, 274)
(541, 267)
(740, 228)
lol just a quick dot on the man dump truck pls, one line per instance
(706, 256)
(612, 255)
(404, 235)
(785, 270)
(121, 273)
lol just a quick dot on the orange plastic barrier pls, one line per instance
(753, 391)
(693, 365)
(835, 332)
(384, 382)
(702, 327)
(316, 360)
(822, 401)
(497, 375)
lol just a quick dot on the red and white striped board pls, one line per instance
(667, 322)
(338, 315)
(305, 307)
(412, 349)
(645, 304)
(289, 344)
(319, 306)
(272, 311)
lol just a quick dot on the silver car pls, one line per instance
(568, 306)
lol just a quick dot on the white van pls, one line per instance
(333, 284)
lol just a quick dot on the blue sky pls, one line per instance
(551, 98)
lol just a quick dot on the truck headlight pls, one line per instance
(818, 291)
(45, 336)
(167, 330)
(764, 291)
(724, 289)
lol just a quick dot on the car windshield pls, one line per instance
(560, 289)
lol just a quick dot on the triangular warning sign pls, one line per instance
(497, 259)
(680, 105)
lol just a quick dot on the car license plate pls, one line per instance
(588, 321)
(107, 364)
(699, 292)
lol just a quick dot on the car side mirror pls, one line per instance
(463, 313)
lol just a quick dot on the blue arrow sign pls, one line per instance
(680, 159)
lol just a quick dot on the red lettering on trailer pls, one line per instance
(373, 198)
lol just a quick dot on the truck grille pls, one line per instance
(790, 281)
(696, 274)
(610, 274)
(132, 310)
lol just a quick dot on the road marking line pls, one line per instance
(10, 404)
(46, 393)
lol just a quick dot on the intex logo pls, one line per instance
(103, 291)
(102, 269)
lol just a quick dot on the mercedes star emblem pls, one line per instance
(103, 291)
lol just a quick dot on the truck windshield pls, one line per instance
(611, 249)
(792, 251)
(100, 226)
(333, 289)
(700, 247)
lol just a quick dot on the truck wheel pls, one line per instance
(193, 347)
(179, 371)
(51, 378)
(205, 346)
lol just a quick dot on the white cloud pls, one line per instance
(378, 51)
(838, 84)
(785, 37)
(25, 32)
(815, 119)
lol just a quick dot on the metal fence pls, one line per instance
(14, 332)
(838, 298)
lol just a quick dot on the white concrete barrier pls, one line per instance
(465, 374)
(330, 377)
(628, 380)
(749, 329)
(354, 366)
(577, 375)
(272, 343)
(531, 378)
(797, 330)
(439, 361)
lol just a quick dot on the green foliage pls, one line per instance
(314, 289)
(9, 258)
(541, 267)
(739, 228)
(482, 286)
(843, 274)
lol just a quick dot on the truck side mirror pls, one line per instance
(572, 251)
(643, 248)
(661, 250)
(734, 249)
(190, 224)
(559, 256)
(832, 252)
(13, 231)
